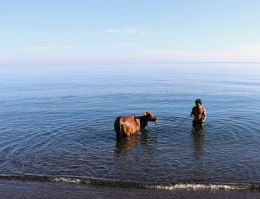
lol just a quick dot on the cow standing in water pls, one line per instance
(130, 124)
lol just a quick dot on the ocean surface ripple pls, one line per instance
(57, 125)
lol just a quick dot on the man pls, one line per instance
(199, 114)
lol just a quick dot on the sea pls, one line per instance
(57, 128)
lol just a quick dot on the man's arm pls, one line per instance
(191, 113)
(205, 114)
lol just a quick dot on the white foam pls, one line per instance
(179, 186)
(67, 180)
(197, 187)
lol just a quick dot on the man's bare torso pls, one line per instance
(198, 113)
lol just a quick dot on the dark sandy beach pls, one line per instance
(26, 189)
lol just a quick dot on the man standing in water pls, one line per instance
(199, 114)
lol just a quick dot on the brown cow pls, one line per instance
(130, 124)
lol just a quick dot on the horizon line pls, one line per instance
(126, 63)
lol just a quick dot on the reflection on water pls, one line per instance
(124, 145)
(198, 135)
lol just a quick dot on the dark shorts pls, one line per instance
(197, 124)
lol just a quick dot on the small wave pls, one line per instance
(114, 183)
(67, 180)
(200, 187)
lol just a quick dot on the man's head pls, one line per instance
(198, 101)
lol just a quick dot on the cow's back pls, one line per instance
(126, 125)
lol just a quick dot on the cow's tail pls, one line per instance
(117, 127)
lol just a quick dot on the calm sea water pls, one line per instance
(57, 124)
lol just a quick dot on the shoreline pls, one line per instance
(181, 185)
(36, 189)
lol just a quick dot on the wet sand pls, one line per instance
(25, 189)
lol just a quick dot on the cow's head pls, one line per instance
(150, 117)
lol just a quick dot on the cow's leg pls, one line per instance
(125, 129)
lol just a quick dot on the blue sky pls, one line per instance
(128, 31)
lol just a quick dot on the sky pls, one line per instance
(47, 32)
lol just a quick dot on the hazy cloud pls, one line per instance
(128, 30)
(248, 47)
(230, 55)
(79, 31)
(44, 48)
(128, 44)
